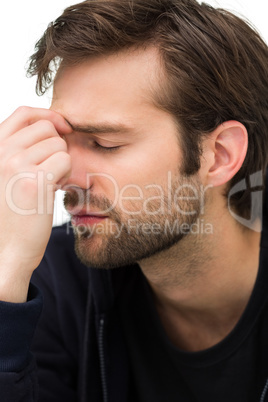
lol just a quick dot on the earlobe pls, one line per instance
(226, 150)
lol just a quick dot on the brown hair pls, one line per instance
(215, 67)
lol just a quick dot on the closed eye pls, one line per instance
(105, 149)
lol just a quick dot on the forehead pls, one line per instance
(129, 76)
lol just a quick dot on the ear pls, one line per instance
(224, 151)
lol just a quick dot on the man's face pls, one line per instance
(126, 195)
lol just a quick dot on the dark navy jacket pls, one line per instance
(78, 342)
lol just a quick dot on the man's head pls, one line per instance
(126, 194)
(207, 67)
(214, 67)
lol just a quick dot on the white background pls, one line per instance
(22, 22)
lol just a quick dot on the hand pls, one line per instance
(33, 162)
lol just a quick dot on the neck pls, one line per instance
(201, 276)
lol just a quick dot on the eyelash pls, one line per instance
(105, 149)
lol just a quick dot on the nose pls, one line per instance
(81, 166)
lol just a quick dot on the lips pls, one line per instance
(87, 218)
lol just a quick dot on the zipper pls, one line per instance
(264, 392)
(102, 360)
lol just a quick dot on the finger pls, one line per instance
(30, 135)
(57, 166)
(38, 153)
(25, 116)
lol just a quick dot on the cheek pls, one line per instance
(146, 163)
(147, 169)
(142, 183)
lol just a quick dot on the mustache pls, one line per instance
(83, 199)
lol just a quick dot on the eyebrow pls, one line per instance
(99, 128)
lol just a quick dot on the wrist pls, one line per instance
(14, 288)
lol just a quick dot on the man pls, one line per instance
(158, 134)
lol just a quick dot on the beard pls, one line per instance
(127, 238)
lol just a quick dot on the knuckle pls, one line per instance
(65, 159)
(51, 113)
(23, 110)
(14, 164)
(62, 144)
(57, 144)
(46, 126)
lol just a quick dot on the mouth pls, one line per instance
(87, 218)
